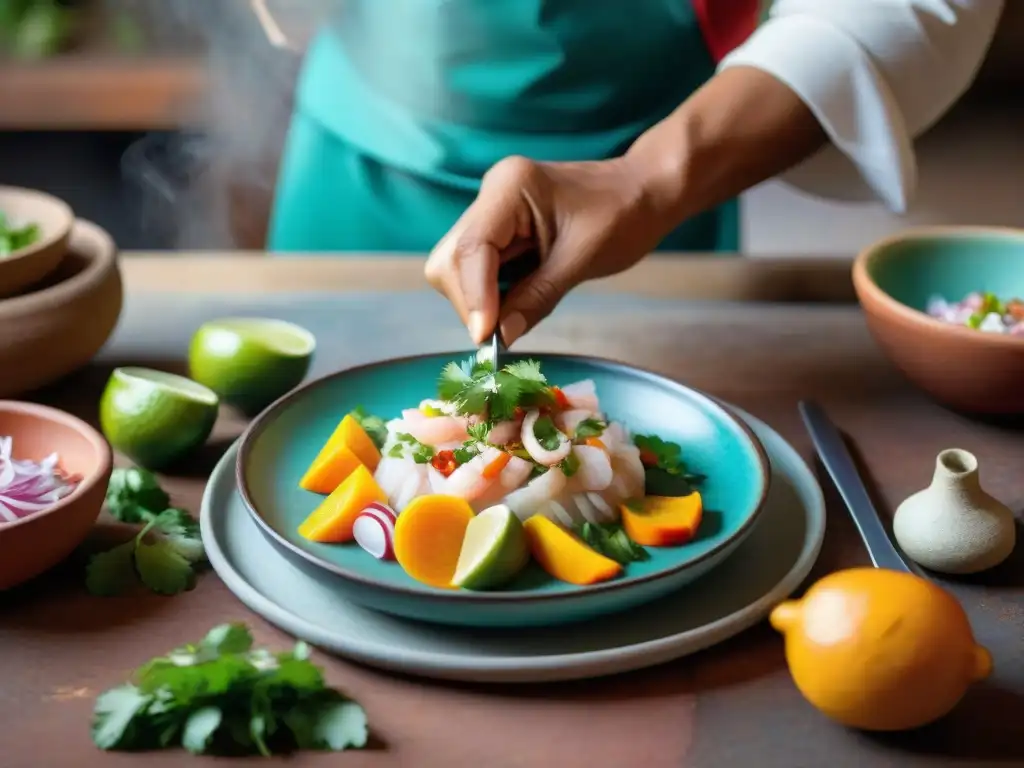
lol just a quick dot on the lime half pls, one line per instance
(156, 418)
(250, 361)
(493, 551)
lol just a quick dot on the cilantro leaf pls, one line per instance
(413, 448)
(479, 431)
(340, 725)
(200, 728)
(455, 377)
(134, 495)
(112, 572)
(466, 453)
(373, 426)
(570, 465)
(396, 451)
(547, 433)
(163, 569)
(590, 428)
(527, 371)
(612, 541)
(221, 696)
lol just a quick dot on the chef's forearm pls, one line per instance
(738, 130)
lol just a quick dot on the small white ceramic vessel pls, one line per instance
(954, 526)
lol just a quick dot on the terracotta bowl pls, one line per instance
(965, 369)
(34, 544)
(57, 329)
(26, 267)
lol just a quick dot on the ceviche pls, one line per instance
(983, 311)
(499, 468)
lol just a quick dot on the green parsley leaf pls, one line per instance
(373, 426)
(590, 428)
(547, 433)
(221, 696)
(134, 495)
(417, 451)
(396, 451)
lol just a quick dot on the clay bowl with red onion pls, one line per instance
(54, 470)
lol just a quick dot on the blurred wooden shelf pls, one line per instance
(87, 91)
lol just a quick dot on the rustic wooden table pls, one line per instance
(758, 334)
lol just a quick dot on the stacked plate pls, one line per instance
(760, 535)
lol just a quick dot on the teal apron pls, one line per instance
(403, 105)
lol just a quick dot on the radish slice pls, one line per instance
(376, 508)
(374, 531)
(538, 452)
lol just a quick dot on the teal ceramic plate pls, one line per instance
(281, 443)
(765, 569)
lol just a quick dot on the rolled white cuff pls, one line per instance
(871, 150)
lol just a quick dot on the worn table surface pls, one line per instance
(734, 705)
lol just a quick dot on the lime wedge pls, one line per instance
(493, 551)
(156, 418)
(250, 361)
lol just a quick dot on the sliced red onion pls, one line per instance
(28, 487)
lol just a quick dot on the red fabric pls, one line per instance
(726, 23)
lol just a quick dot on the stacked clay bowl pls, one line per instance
(60, 297)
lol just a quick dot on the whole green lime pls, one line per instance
(156, 418)
(250, 361)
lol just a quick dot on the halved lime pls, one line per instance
(250, 361)
(494, 550)
(156, 418)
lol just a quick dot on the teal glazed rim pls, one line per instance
(291, 550)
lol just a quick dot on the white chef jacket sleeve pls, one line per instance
(876, 74)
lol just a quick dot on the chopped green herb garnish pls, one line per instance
(479, 431)
(373, 426)
(222, 697)
(612, 541)
(665, 455)
(477, 390)
(570, 465)
(14, 239)
(411, 447)
(466, 453)
(590, 428)
(547, 433)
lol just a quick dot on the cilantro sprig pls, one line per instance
(408, 445)
(666, 473)
(374, 426)
(163, 555)
(612, 541)
(476, 389)
(589, 428)
(223, 697)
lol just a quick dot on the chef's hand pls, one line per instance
(586, 219)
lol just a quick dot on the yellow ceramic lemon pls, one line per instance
(880, 650)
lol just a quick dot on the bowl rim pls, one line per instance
(61, 232)
(264, 419)
(88, 240)
(106, 456)
(866, 287)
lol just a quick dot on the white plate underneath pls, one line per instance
(765, 570)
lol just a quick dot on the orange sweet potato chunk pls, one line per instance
(663, 521)
(332, 521)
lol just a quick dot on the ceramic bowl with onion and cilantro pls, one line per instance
(554, 489)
